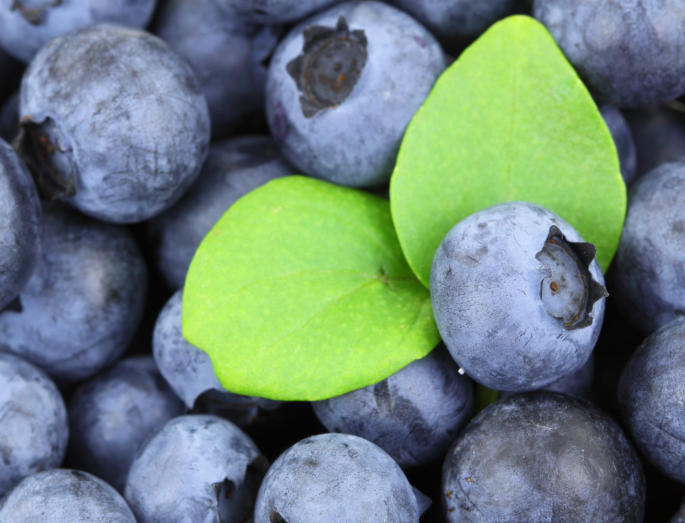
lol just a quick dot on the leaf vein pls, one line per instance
(319, 313)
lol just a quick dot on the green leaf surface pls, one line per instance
(301, 292)
(509, 120)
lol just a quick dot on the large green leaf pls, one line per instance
(509, 120)
(301, 292)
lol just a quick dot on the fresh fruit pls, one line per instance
(27, 25)
(196, 468)
(539, 457)
(64, 496)
(628, 53)
(454, 21)
(21, 225)
(113, 122)
(413, 415)
(228, 55)
(517, 296)
(34, 428)
(335, 477)
(111, 415)
(343, 86)
(650, 395)
(649, 270)
(82, 305)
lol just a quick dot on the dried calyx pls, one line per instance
(569, 291)
(48, 157)
(329, 67)
(235, 502)
(33, 11)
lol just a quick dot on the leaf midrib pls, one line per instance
(370, 277)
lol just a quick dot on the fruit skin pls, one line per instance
(114, 413)
(189, 371)
(542, 456)
(34, 429)
(355, 142)
(276, 11)
(233, 82)
(21, 226)
(83, 303)
(648, 273)
(628, 53)
(650, 395)
(578, 383)
(623, 139)
(659, 134)
(485, 289)
(196, 468)
(452, 21)
(64, 496)
(23, 33)
(335, 477)
(127, 125)
(233, 168)
(413, 415)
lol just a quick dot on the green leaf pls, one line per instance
(301, 292)
(484, 398)
(509, 120)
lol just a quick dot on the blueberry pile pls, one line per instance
(128, 129)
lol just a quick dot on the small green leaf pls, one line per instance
(484, 398)
(301, 292)
(509, 120)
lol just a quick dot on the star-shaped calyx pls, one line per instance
(329, 67)
(569, 291)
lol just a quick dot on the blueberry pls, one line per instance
(189, 371)
(27, 25)
(578, 383)
(517, 296)
(650, 394)
(196, 468)
(455, 20)
(64, 496)
(20, 225)
(113, 122)
(413, 415)
(628, 53)
(659, 134)
(82, 305)
(276, 11)
(623, 139)
(542, 456)
(335, 477)
(201, 32)
(112, 415)
(343, 86)
(33, 427)
(233, 168)
(9, 118)
(648, 273)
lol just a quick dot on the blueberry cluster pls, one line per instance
(128, 129)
